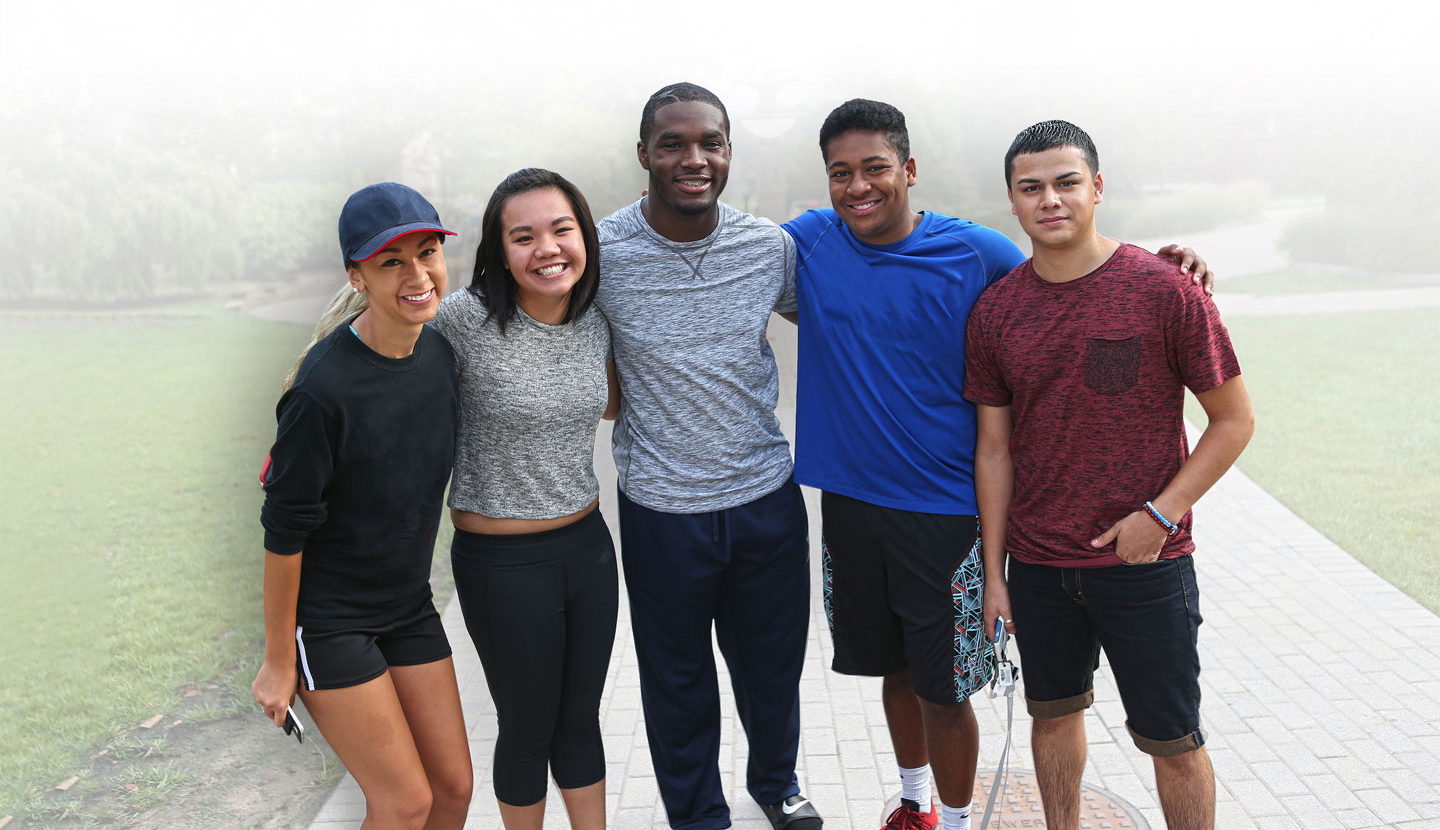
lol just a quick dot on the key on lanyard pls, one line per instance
(1002, 683)
(1005, 673)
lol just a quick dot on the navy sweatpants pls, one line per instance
(746, 571)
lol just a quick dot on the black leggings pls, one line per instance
(541, 608)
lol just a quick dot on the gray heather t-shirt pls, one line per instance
(697, 429)
(529, 403)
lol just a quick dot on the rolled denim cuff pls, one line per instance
(1167, 749)
(1046, 709)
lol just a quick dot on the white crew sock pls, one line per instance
(915, 786)
(954, 818)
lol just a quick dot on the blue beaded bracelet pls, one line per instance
(1170, 527)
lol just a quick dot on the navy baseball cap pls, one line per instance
(379, 214)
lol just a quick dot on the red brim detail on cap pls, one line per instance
(406, 233)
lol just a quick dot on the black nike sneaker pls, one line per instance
(794, 813)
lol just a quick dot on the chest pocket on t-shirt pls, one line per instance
(1112, 364)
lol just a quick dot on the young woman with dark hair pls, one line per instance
(534, 563)
(353, 493)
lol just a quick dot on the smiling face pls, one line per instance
(1054, 193)
(870, 186)
(404, 280)
(688, 156)
(544, 248)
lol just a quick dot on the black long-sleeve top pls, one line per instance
(357, 477)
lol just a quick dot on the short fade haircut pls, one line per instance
(675, 94)
(866, 116)
(1047, 135)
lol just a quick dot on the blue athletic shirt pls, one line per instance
(879, 412)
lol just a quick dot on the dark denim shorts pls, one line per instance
(1146, 617)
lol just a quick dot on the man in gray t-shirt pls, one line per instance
(697, 431)
(712, 527)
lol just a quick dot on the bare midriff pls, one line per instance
(479, 523)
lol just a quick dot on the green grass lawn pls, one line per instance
(1346, 430)
(132, 553)
(131, 566)
(132, 548)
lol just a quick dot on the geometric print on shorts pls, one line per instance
(828, 580)
(974, 656)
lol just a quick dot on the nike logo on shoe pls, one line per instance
(794, 813)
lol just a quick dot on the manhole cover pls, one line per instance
(1019, 806)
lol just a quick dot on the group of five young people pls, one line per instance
(713, 529)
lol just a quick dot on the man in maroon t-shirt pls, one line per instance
(1078, 364)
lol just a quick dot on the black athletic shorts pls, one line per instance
(903, 590)
(349, 657)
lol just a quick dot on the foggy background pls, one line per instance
(169, 148)
(167, 168)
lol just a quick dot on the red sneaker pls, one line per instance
(905, 818)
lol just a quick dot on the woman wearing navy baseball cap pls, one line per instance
(353, 495)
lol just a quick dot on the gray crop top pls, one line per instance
(529, 404)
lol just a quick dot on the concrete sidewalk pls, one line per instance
(1321, 698)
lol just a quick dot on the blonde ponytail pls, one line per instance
(346, 303)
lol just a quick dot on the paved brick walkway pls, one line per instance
(1321, 693)
(1321, 684)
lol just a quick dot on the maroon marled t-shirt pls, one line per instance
(1095, 371)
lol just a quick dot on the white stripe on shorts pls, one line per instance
(304, 662)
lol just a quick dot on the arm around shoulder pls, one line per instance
(1191, 264)
(612, 403)
(788, 303)
(1002, 255)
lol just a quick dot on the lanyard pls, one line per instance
(1002, 683)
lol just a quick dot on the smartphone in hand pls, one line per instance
(293, 725)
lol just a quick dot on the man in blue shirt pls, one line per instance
(883, 430)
